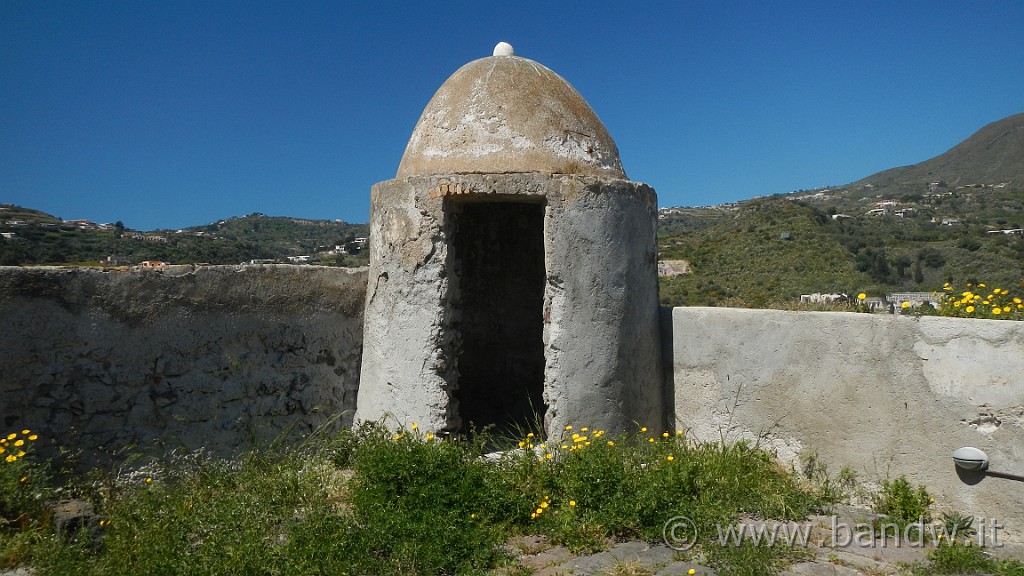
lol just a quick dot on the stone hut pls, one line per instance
(513, 275)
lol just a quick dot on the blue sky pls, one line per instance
(172, 114)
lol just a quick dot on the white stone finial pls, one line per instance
(504, 49)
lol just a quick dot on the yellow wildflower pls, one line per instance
(548, 456)
(539, 511)
(584, 429)
(861, 296)
(19, 443)
(1016, 301)
(664, 434)
(572, 502)
(905, 305)
(544, 504)
(25, 432)
(12, 436)
(415, 426)
(568, 427)
(997, 310)
(10, 458)
(670, 458)
(651, 439)
(610, 443)
(644, 429)
(149, 480)
(33, 437)
(969, 309)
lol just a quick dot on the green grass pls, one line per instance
(962, 558)
(374, 502)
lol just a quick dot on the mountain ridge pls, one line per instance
(992, 155)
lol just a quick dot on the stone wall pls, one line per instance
(884, 395)
(219, 357)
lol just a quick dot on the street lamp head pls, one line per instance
(970, 458)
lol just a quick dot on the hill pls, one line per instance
(954, 218)
(991, 156)
(34, 237)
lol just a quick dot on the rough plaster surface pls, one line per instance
(219, 357)
(885, 395)
(509, 114)
(600, 302)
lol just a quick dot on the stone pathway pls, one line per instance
(656, 559)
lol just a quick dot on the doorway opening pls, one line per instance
(497, 251)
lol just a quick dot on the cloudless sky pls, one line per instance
(172, 114)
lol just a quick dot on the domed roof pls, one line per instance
(506, 114)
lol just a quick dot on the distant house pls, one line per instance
(950, 222)
(298, 259)
(914, 298)
(116, 261)
(818, 298)
(153, 264)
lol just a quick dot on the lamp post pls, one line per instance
(972, 464)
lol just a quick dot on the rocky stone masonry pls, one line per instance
(218, 357)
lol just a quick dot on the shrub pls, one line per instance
(25, 483)
(978, 301)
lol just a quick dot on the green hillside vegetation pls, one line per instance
(770, 251)
(911, 229)
(38, 238)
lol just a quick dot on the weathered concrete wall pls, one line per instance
(885, 395)
(600, 309)
(219, 357)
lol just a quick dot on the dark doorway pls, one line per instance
(497, 251)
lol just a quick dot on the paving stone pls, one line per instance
(821, 569)
(683, 569)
